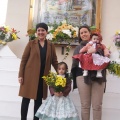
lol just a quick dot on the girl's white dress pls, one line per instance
(98, 59)
(57, 108)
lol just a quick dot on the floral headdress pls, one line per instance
(96, 31)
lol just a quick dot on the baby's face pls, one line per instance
(95, 39)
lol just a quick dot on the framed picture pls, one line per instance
(76, 12)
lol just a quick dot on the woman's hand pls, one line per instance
(91, 50)
(58, 94)
(20, 80)
(107, 55)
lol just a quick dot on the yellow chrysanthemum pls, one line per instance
(59, 28)
(63, 26)
(7, 28)
(118, 32)
(60, 81)
(57, 82)
(0, 41)
(4, 43)
(74, 35)
(14, 36)
(70, 26)
(54, 34)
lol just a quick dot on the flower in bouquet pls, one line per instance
(31, 33)
(62, 32)
(94, 29)
(55, 81)
(7, 35)
(116, 39)
(68, 48)
(114, 68)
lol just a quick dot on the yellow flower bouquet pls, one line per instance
(55, 81)
(7, 35)
(63, 33)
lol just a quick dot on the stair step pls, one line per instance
(9, 63)
(11, 118)
(113, 84)
(9, 78)
(110, 100)
(13, 109)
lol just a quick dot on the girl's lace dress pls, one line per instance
(57, 108)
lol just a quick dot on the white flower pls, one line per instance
(50, 28)
(35, 34)
(7, 35)
(49, 36)
(76, 29)
(64, 22)
(68, 32)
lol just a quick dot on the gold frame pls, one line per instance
(98, 14)
(30, 17)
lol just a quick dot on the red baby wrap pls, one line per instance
(86, 62)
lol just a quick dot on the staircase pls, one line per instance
(9, 100)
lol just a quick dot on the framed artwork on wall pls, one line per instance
(76, 12)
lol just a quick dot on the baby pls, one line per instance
(98, 59)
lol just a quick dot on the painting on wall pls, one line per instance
(76, 12)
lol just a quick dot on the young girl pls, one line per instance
(100, 59)
(59, 106)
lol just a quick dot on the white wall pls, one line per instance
(17, 17)
(3, 9)
(110, 21)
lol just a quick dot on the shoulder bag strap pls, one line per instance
(51, 55)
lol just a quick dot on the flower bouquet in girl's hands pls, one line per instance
(55, 81)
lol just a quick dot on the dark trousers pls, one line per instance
(37, 103)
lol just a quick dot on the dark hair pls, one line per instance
(84, 26)
(42, 25)
(66, 66)
(97, 34)
(63, 63)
